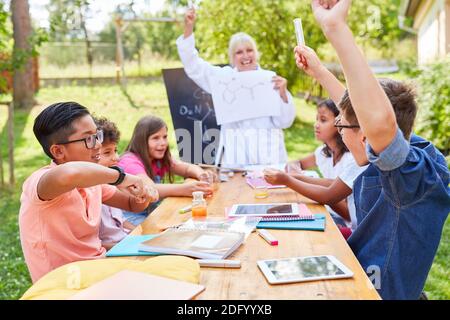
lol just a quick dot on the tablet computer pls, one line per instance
(300, 269)
(264, 210)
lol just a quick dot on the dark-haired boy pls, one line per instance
(403, 199)
(60, 204)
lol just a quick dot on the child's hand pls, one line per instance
(151, 195)
(308, 61)
(331, 14)
(193, 186)
(280, 84)
(207, 176)
(293, 167)
(132, 185)
(274, 176)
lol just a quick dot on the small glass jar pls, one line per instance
(261, 192)
(199, 208)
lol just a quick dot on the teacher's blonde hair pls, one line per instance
(238, 39)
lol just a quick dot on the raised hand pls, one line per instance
(308, 61)
(189, 22)
(331, 14)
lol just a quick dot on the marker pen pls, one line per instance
(268, 237)
(185, 209)
(218, 263)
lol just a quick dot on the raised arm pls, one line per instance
(195, 67)
(370, 103)
(308, 61)
(189, 22)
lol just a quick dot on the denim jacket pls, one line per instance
(402, 201)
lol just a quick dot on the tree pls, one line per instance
(434, 103)
(5, 49)
(68, 22)
(23, 87)
(270, 23)
(162, 36)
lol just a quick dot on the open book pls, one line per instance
(203, 244)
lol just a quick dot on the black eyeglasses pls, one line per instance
(342, 126)
(89, 141)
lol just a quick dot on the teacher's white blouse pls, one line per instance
(257, 141)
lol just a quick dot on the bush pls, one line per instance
(434, 104)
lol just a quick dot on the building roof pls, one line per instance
(408, 8)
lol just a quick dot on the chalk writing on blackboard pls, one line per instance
(193, 118)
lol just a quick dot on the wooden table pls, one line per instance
(248, 282)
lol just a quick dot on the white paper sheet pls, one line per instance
(244, 95)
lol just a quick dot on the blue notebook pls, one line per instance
(318, 224)
(129, 246)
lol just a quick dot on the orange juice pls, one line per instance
(199, 212)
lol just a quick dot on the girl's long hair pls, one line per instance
(342, 148)
(138, 145)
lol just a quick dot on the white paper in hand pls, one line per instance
(245, 95)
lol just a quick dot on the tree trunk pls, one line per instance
(23, 87)
(89, 56)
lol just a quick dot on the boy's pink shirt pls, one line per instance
(61, 230)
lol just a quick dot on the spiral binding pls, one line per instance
(287, 218)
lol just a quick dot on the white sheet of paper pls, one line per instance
(206, 242)
(244, 95)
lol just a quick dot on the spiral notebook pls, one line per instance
(284, 211)
(303, 214)
(317, 224)
(203, 244)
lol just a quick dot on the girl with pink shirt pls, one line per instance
(148, 156)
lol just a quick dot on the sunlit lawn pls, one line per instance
(125, 110)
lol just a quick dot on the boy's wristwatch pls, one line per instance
(121, 177)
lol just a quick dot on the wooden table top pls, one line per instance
(248, 282)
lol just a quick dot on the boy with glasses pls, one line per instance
(402, 199)
(60, 208)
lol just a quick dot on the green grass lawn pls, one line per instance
(125, 110)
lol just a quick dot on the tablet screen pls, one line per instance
(303, 268)
(264, 209)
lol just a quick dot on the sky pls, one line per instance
(101, 9)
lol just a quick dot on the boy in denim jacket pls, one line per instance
(403, 198)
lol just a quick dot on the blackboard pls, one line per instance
(193, 118)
